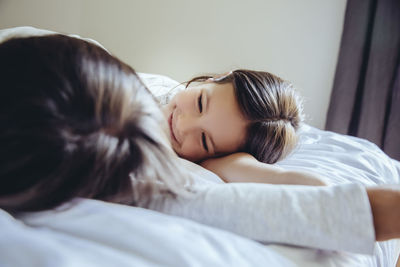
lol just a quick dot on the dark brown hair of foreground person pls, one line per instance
(75, 122)
(272, 107)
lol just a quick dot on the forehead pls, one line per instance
(225, 121)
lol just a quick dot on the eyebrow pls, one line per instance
(208, 100)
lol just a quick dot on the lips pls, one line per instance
(171, 127)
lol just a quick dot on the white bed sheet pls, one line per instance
(95, 233)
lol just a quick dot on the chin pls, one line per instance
(192, 159)
(181, 155)
(176, 150)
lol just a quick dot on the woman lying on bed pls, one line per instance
(78, 122)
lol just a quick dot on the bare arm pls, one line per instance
(244, 168)
(385, 206)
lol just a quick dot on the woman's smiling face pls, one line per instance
(205, 121)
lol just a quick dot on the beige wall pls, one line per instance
(298, 40)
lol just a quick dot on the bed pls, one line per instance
(94, 233)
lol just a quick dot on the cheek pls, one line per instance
(191, 151)
(184, 98)
(167, 109)
(178, 100)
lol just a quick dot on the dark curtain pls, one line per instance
(365, 100)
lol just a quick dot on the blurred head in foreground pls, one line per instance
(77, 122)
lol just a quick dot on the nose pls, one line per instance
(187, 124)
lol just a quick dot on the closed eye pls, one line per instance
(200, 103)
(204, 141)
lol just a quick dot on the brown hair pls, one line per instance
(272, 107)
(77, 122)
